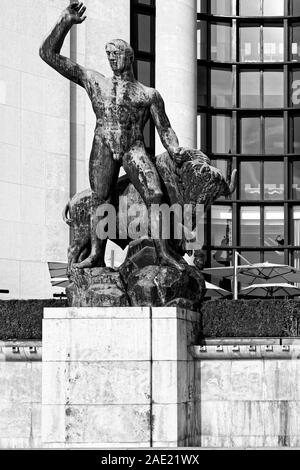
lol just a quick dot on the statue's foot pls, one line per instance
(91, 261)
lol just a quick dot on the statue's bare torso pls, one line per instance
(122, 109)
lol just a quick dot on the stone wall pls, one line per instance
(20, 395)
(249, 394)
(46, 130)
(34, 147)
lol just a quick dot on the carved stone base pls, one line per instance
(96, 287)
(165, 286)
(140, 281)
(149, 283)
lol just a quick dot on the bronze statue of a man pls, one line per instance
(122, 106)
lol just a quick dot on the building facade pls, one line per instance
(228, 72)
(248, 118)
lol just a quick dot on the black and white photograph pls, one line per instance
(149, 228)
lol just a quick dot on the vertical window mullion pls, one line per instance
(262, 133)
(262, 225)
(261, 43)
(262, 180)
(262, 103)
(233, 41)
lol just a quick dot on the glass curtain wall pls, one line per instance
(249, 119)
(142, 39)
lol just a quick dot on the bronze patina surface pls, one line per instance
(122, 106)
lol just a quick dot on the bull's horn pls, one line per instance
(233, 182)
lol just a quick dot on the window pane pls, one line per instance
(296, 219)
(249, 44)
(147, 134)
(273, 44)
(250, 226)
(250, 135)
(250, 89)
(295, 89)
(275, 257)
(221, 7)
(221, 226)
(295, 121)
(201, 40)
(273, 89)
(144, 72)
(274, 135)
(144, 33)
(252, 257)
(273, 7)
(250, 8)
(295, 7)
(221, 134)
(202, 6)
(273, 225)
(221, 42)
(295, 52)
(201, 132)
(145, 2)
(202, 85)
(221, 88)
(221, 258)
(296, 259)
(250, 180)
(273, 180)
(296, 180)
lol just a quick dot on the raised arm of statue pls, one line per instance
(166, 133)
(51, 47)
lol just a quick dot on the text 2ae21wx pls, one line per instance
(151, 459)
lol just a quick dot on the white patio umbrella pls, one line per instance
(258, 272)
(262, 271)
(271, 290)
(60, 282)
(57, 269)
(215, 291)
(58, 274)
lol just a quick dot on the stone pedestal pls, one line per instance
(119, 377)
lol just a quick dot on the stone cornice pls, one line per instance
(247, 348)
(20, 351)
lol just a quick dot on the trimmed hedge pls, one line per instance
(243, 318)
(22, 319)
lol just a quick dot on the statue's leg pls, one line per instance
(103, 174)
(168, 171)
(144, 177)
(75, 250)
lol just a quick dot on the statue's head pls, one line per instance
(120, 55)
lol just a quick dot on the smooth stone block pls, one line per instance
(97, 383)
(95, 423)
(172, 339)
(77, 313)
(118, 376)
(173, 381)
(96, 339)
(215, 379)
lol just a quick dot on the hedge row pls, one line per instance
(243, 318)
(22, 319)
